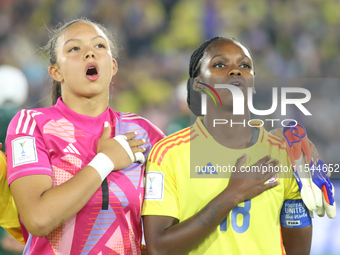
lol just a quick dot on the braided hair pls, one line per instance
(194, 70)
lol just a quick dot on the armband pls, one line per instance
(294, 214)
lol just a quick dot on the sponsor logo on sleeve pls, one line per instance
(293, 222)
(154, 186)
(24, 151)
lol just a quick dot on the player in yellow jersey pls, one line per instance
(9, 218)
(236, 210)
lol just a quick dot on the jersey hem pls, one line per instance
(21, 173)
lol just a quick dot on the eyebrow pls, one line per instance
(220, 55)
(76, 39)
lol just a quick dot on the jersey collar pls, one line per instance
(92, 125)
(204, 134)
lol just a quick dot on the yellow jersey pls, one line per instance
(9, 218)
(186, 170)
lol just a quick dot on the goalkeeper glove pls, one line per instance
(317, 191)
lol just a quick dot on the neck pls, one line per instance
(235, 134)
(89, 106)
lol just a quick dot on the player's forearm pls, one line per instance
(185, 236)
(57, 205)
(70, 197)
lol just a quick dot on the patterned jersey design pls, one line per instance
(58, 142)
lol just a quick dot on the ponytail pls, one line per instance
(56, 91)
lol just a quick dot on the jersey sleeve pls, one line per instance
(8, 211)
(161, 189)
(25, 147)
(9, 219)
(155, 135)
(292, 191)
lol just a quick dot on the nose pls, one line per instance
(234, 72)
(89, 55)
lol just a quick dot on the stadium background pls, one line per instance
(288, 39)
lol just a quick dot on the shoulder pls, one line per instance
(275, 141)
(133, 122)
(278, 150)
(271, 140)
(26, 120)
(129, 117)
(174, 144)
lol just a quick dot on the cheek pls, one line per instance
(249, 76)
(224, 94)
(69, 72)
(207, 73)
(70, 66)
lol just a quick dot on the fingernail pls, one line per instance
(106, 124)
(144, 149)
(135, 133)
(143, 140)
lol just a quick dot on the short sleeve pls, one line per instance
(25, 147)
(8, 211)
(154, 135)
(161, 190)
(292, 191)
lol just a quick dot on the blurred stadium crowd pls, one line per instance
(288, 39)
(155, 38)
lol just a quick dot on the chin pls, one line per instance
(94, 93)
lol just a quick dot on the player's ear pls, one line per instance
(55, 73)
(115, 67)
(197, 86)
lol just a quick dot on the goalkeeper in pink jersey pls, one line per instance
(77, 190)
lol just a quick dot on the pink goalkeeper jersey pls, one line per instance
(58, 142)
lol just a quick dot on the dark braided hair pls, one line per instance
(194, 97)
(194, 66)
(194, 71)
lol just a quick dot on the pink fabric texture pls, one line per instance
(64, 142)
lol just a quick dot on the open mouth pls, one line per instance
(91, 71)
